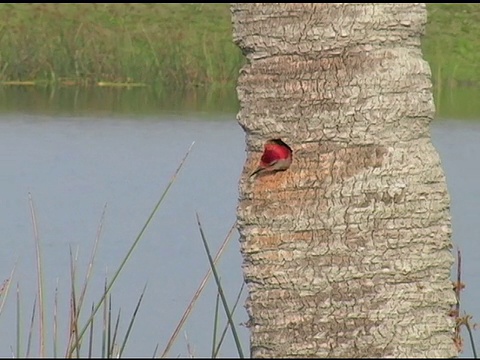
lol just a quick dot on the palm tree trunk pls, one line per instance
(348, 252)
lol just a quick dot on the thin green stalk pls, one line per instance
(222, 337)
(39, 277)
(30, 331)
(220, 290)
(472, 342)
(130, 251)
(104, 329)
(109, 326)
(90, 343)
(115, 333)
(130, 325)
(152, 49)
(155, 351)
(215, 324)
(18, 322)
(92, 258)
(73, 304)
(6, 288)
(78, 305)
(195, 297)
(189, 347)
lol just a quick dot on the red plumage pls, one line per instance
(277, 156)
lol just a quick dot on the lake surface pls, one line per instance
(74, 162)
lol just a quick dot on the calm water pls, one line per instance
(72, 165)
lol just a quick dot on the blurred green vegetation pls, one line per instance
(170, 44)
(180, 44)
(187, 50)
(112, 101)
(452, 44)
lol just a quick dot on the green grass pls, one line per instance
(184, 53)
(452, 44)
(180, 45)
(172, 44)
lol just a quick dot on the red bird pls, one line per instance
(277, 156)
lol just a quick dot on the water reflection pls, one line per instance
(458, 103)
(107, 101)
(451, 103)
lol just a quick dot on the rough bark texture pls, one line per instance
(347, 253)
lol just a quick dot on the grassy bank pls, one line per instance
(172, 44)
(179, 44)
(452, 44)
